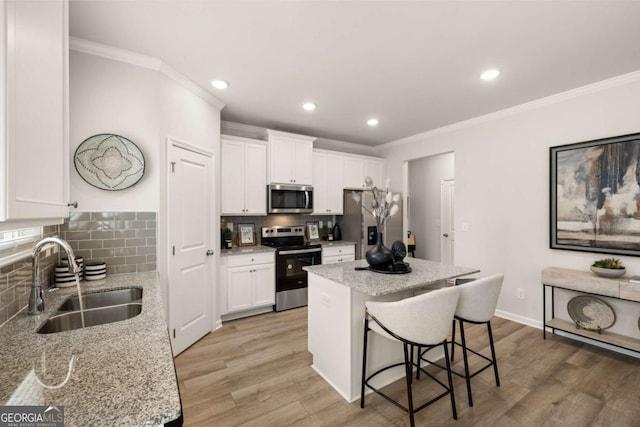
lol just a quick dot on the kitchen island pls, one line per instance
(337, 296)
(114, 374)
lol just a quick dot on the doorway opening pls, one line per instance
(430, 201)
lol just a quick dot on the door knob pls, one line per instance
(209, 252)
(446, 235)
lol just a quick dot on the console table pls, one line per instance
(587, 283)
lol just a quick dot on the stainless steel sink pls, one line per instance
(92, 317)
(103, 299)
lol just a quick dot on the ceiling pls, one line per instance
(414, 65)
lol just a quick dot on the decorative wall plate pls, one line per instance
(109, 162)
(591, 313)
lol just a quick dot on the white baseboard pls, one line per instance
(246, 313)
(534, 323)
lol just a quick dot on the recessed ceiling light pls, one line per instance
(309, 106)
(373, 122)
(490, 74)
(219, 84)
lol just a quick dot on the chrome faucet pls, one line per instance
(36, 299)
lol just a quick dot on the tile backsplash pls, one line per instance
(15, 278)
(272, 220)
(125, 241)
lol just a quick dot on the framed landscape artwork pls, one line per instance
(595, 196)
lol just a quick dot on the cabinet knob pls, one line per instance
(74, 204)
(209, 252)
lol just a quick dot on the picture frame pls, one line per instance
(313, 231)
(247, 234)
(595, 196)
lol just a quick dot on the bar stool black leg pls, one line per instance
(452, 396)
(493, 354)
(419, 357)
(466, 363)
(364, 361)
(453, 338)
(408, 373)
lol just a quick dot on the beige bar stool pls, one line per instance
(419, 321)
(476, 305)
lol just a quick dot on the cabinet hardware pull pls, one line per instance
(74, 204)
(209, 252)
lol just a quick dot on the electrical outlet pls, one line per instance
(520, 294)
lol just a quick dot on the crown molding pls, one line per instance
(126, 56)
(532, 105)
(344, 147)
(240, 129)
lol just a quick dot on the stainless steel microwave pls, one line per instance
(290, 198)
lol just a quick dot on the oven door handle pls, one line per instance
(299, 251)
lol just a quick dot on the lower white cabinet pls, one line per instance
(249, 281)
(335, 254)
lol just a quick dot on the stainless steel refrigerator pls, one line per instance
(359, 226)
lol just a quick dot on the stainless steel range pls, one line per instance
(292, 253)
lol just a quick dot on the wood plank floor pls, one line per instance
(256, 372)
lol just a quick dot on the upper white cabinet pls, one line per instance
(356, 168)
(34, 151)
(290, 158)
(244, 182)
(327, 183)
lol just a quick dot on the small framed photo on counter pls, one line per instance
(313, 231)
(246, 235)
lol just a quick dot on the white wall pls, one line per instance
(107, 96)
(146, 106)
(502, 182)
(425, 178)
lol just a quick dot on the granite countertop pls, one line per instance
(122, 373)
(424, 273)
(241, 250)
(336, 243)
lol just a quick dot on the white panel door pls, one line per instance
(232, 166)
(264, 285)
(255, 187)
(447, 238)
(353, 172)
(191, 239)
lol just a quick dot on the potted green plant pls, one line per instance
(228, 238)
(608, 267)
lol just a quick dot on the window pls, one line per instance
(14, 238)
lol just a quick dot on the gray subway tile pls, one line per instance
(86, 254)
(101, 216)
(146, 215)
(138, 259)
(124, 234)
(145, 233)
(121, 269)
(83, 225)
(102, 253)
(115, 261)
(123, 216)
(12, 309)
(111, 269)
(78, 235)
(101, 234)
(146, 250)
(3, 315)
(151, 241)
(136, 224)
(90, 244)
(113, 243)
(136, 241)
(124, 251)
(151, 258)
(151, 224)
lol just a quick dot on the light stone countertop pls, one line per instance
(423, 274)
(123, 372)
(242, 250)
(336, 243)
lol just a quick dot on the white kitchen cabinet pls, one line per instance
(249, 281)
(327, 183)
(341, 253)
(244, 185)
(290, 158)
(34, 150)
(356, 168)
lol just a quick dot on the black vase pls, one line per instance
(379, 256)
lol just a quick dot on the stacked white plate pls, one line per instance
(95, 271)
(64, 279)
